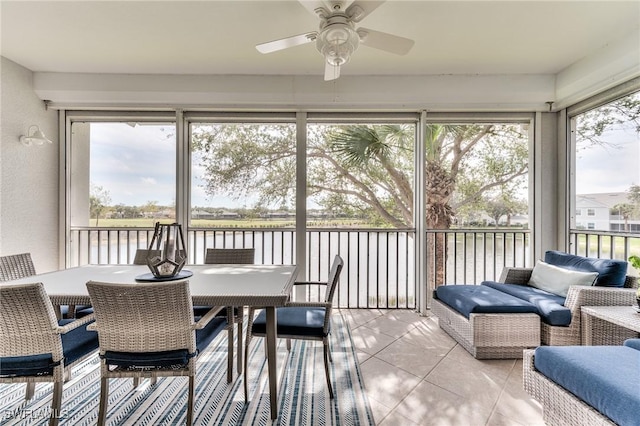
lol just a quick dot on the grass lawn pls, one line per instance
(227, 223)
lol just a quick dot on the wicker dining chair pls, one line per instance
(140, 258)
(300, 320)
(236, 256)
(142, 254)
(161, 339)
(37, 347)
(16, 266)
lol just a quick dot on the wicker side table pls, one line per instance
(609, 325)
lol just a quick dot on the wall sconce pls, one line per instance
(36, 137)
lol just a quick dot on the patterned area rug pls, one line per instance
(303, 394)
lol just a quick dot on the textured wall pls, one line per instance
(28, 175)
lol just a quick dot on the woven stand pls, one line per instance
(559, 407)
(490, 336)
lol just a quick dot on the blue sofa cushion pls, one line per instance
(468, 299)
(166, 359)
(632, 343)
(550, 306)
(611, 273)
(75, 344)
(605, 377)
(294, 321)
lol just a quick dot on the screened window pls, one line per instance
(243, 176)
(123, 173)
(607, 152)
(123, 176)
(476, 178)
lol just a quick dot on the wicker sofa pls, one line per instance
(574, 388)
(500, 334)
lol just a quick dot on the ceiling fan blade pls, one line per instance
(312, 5)
(284, 43)
(360, 9)
(384, 41)
(331, 72)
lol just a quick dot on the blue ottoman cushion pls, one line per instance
(468, 299)
(611, 273)
(550, 306)
(605, 377)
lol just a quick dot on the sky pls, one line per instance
(609, 168)
(136, 165)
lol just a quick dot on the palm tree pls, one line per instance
(446, 148)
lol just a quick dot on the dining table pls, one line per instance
(264, 286)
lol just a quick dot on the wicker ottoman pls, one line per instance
(490, 336)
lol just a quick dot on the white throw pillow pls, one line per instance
(558, 280)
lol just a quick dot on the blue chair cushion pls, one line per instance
(632, 343)
(294, 321)
(78, 342)
(31, 365)
(605, 377)
(468, 299)
(166, 359)
(75, 344)
(83, 311)
(550, 306)
(200, 311)
(611, 273)
(209, 332)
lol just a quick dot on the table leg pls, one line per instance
(271, 336)
(230, 324)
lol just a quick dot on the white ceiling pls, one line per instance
(219, 37)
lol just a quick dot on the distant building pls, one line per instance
(596, 212)
(277, 215)
(227, 215)
(202, 214)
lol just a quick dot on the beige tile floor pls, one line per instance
(415, 374)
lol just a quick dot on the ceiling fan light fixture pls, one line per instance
(337, 44)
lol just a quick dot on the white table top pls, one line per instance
(220, 285)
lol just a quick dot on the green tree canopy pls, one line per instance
(364, 169)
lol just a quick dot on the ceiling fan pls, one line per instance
(337, 37)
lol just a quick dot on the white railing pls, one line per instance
(379, 267)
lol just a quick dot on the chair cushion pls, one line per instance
(166, 359)
(31, 365)
(83, 311)
(200, 311)
(611, 273)
(294, 321)
(605, 377)
(78, 342)
(468, 299)
(550, 306)
(209, 332)
(75, 344)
